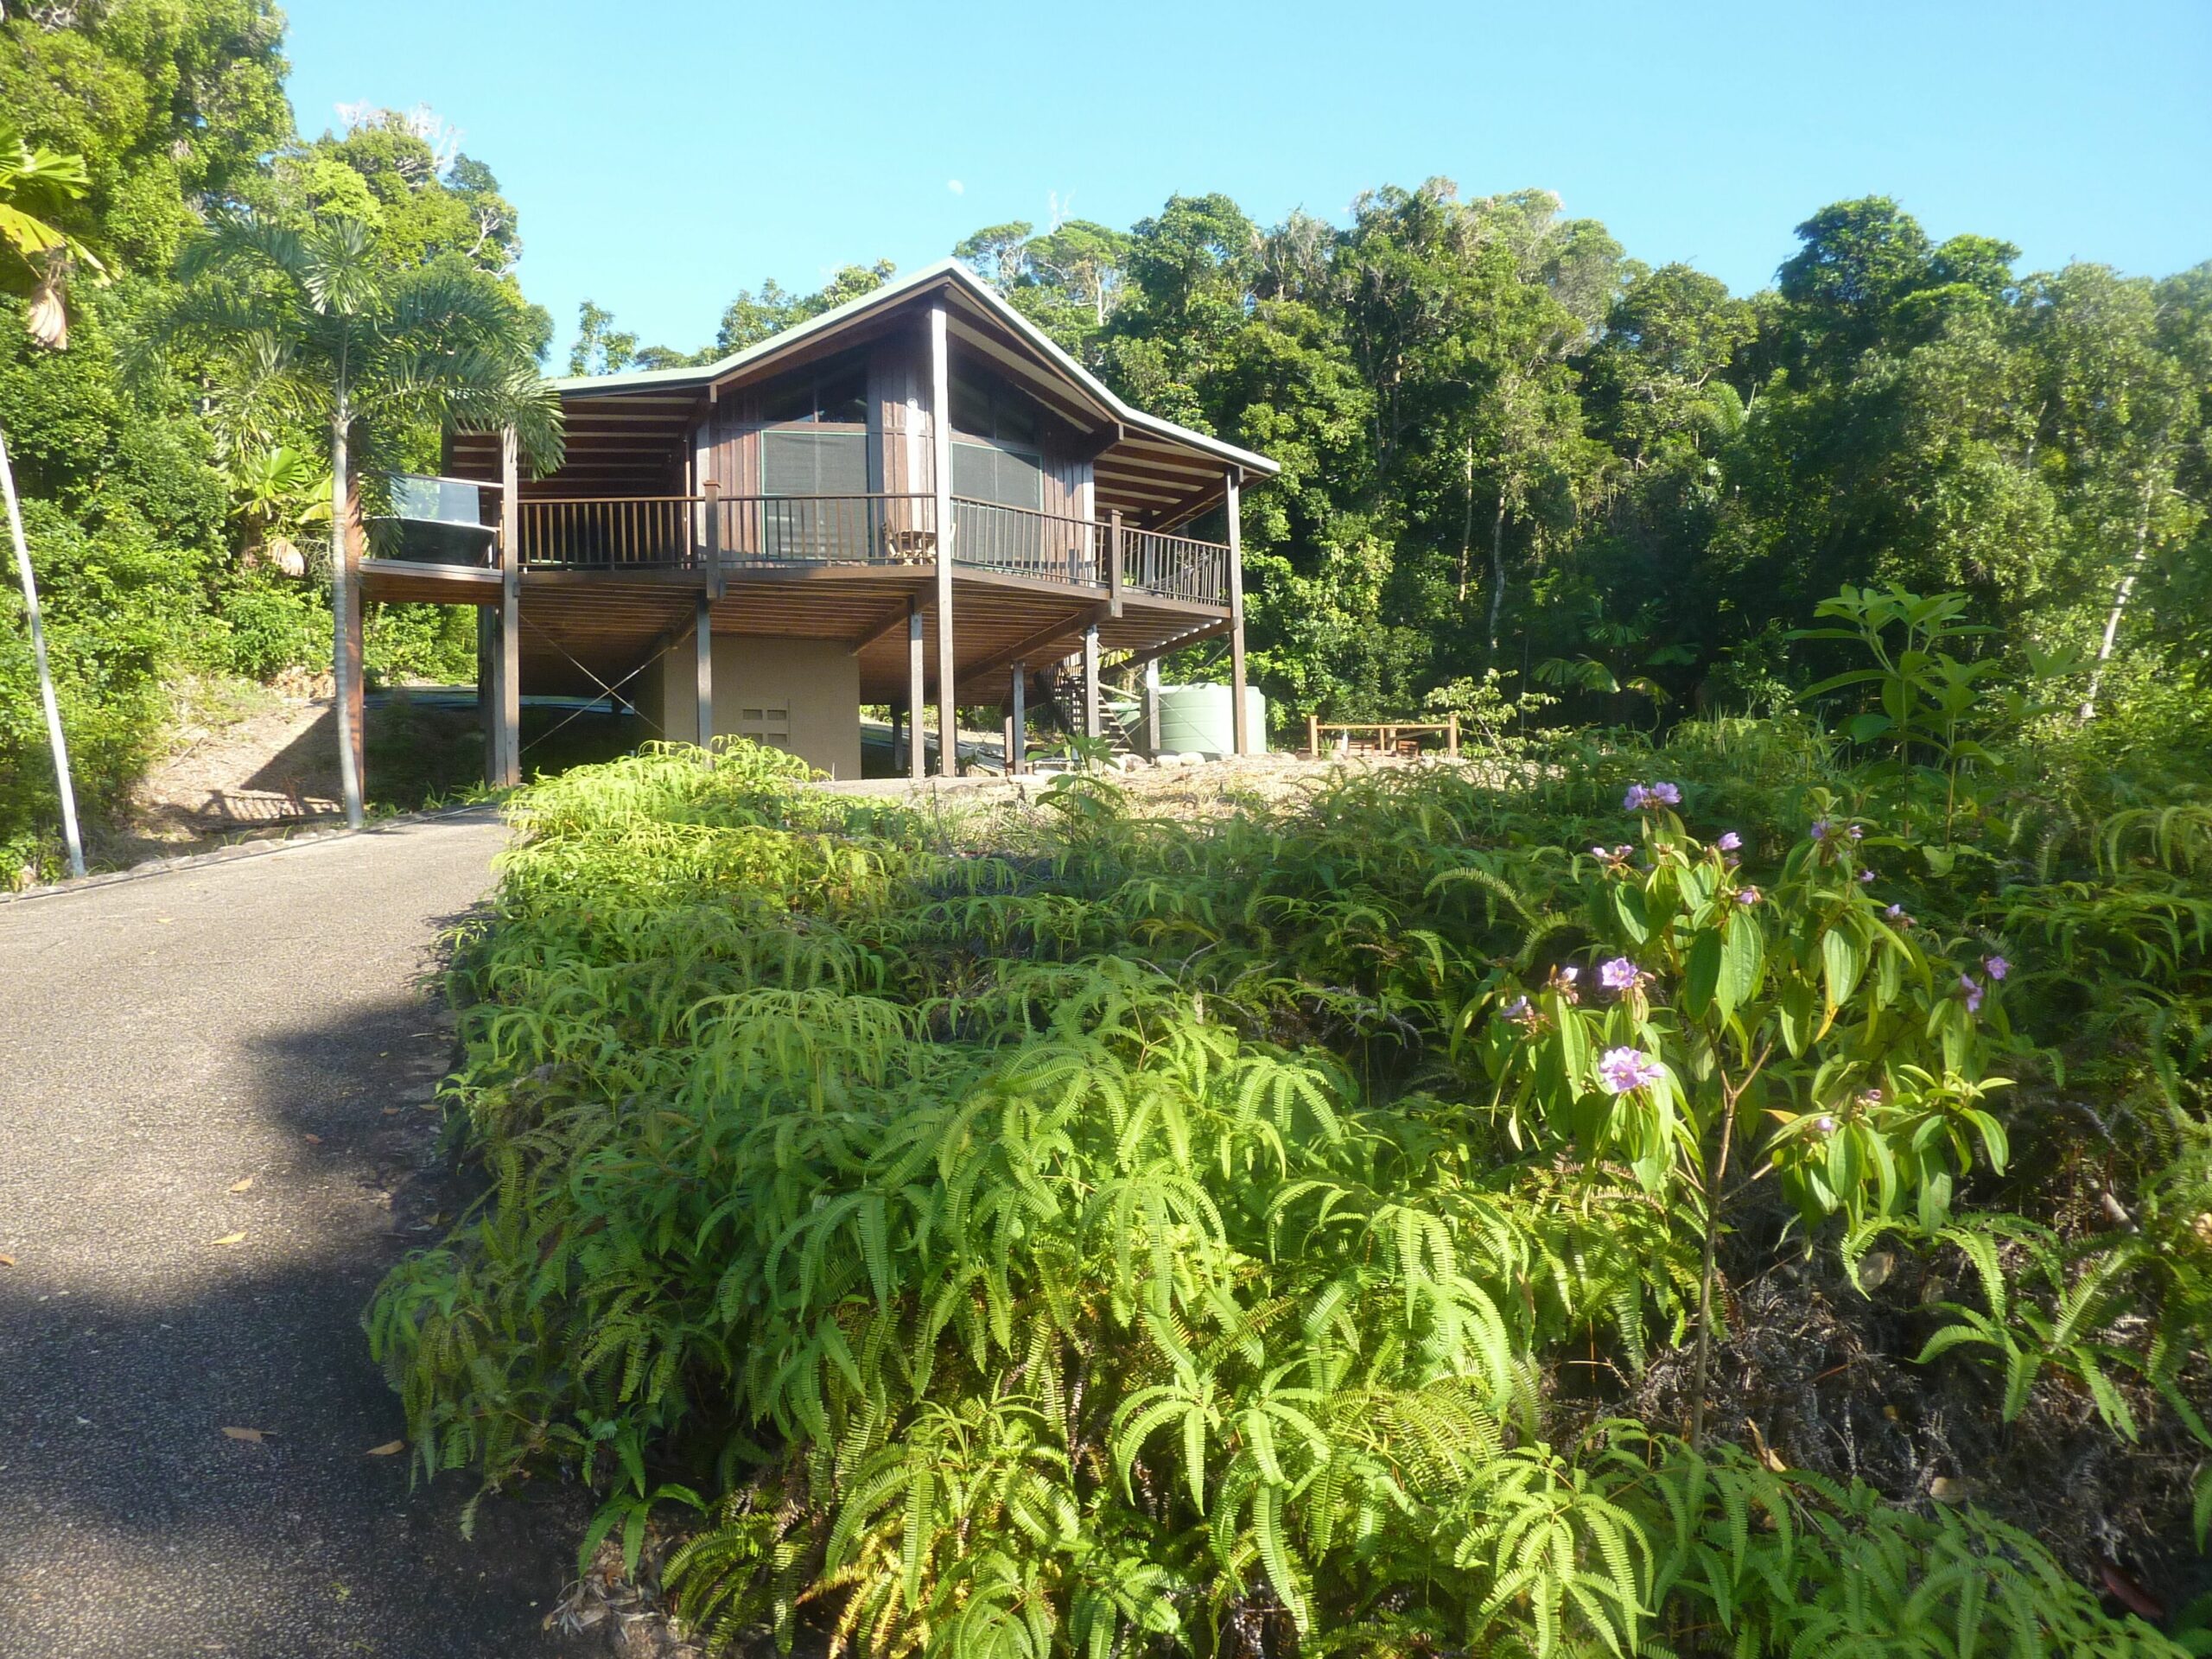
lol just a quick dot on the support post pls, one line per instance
(1152, 706)
(510, 608)
(1452, 738)
(1114, 561)
(488, 669)
(916, 750)
(948, 712)
(715, 579)
(1312, 737)
(1092, 725)
(1017, 754)
(702, 641)
(1240, 718)
(897, 738)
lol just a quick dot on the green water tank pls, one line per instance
(1197, 719)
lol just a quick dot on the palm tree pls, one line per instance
(33, 182)
(317, 324)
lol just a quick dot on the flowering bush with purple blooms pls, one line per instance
(1802, 1010)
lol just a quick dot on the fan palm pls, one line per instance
(317, 324)
(34, 183)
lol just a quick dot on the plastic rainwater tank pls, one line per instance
(1198, 719)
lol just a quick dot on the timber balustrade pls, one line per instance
(1026, 543)
(687, 532)
(1175, 567)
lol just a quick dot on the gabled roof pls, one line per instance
(945, 274)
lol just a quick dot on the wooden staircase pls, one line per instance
(1064, 702)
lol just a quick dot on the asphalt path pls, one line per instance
(215, 1135)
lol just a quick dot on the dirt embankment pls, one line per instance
(246, 762)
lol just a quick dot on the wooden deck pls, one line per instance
(606, 582)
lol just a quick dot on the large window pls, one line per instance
(833, 392)
(994, 473)
(987, 407)
(995, 455)
(997, 458)
(814, 444)
(796, 461)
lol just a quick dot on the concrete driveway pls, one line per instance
(213, 1089)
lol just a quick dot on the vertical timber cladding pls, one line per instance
(899, 396)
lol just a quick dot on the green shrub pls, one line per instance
(271, 624)
(1128, 1232)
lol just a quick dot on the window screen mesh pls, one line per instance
(984, 472)
(814, 463)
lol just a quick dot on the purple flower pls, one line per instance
(1729, 841)
(1747, 895)
(1871, 1097)
(1619, 974)
(1856, 832)
(1568, 972)
(1997, 967)
(1665, 794)
(1819, 830)
(1866, 876)
(1518, 1008)
(1636, 799)
(1624, 1070)
(1824, 1124)
(1899, 914)
(1971, 989)
(1623, 852)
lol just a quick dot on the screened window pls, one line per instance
(800, 462)
(826, 513)
(994, 473)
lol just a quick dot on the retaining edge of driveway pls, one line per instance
(237, 850)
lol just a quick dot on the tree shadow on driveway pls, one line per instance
(208, 1188)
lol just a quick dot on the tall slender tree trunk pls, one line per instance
(70, 837)
(1467, 523)
(1497, 574)
(2125, 591)
(342, 612)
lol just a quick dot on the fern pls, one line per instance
(1108, 1238)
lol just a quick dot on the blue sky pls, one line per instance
(664, 154)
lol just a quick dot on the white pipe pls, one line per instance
(69, 834)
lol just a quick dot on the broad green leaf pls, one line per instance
(1629, 910)
(1701, 973)
(1794, 1007)
(1742, 957)
(1843, 958)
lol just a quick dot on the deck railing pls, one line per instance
(679, 532)
(613, 532)
(779, 529)
(1175, 567)
(1022, 542)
